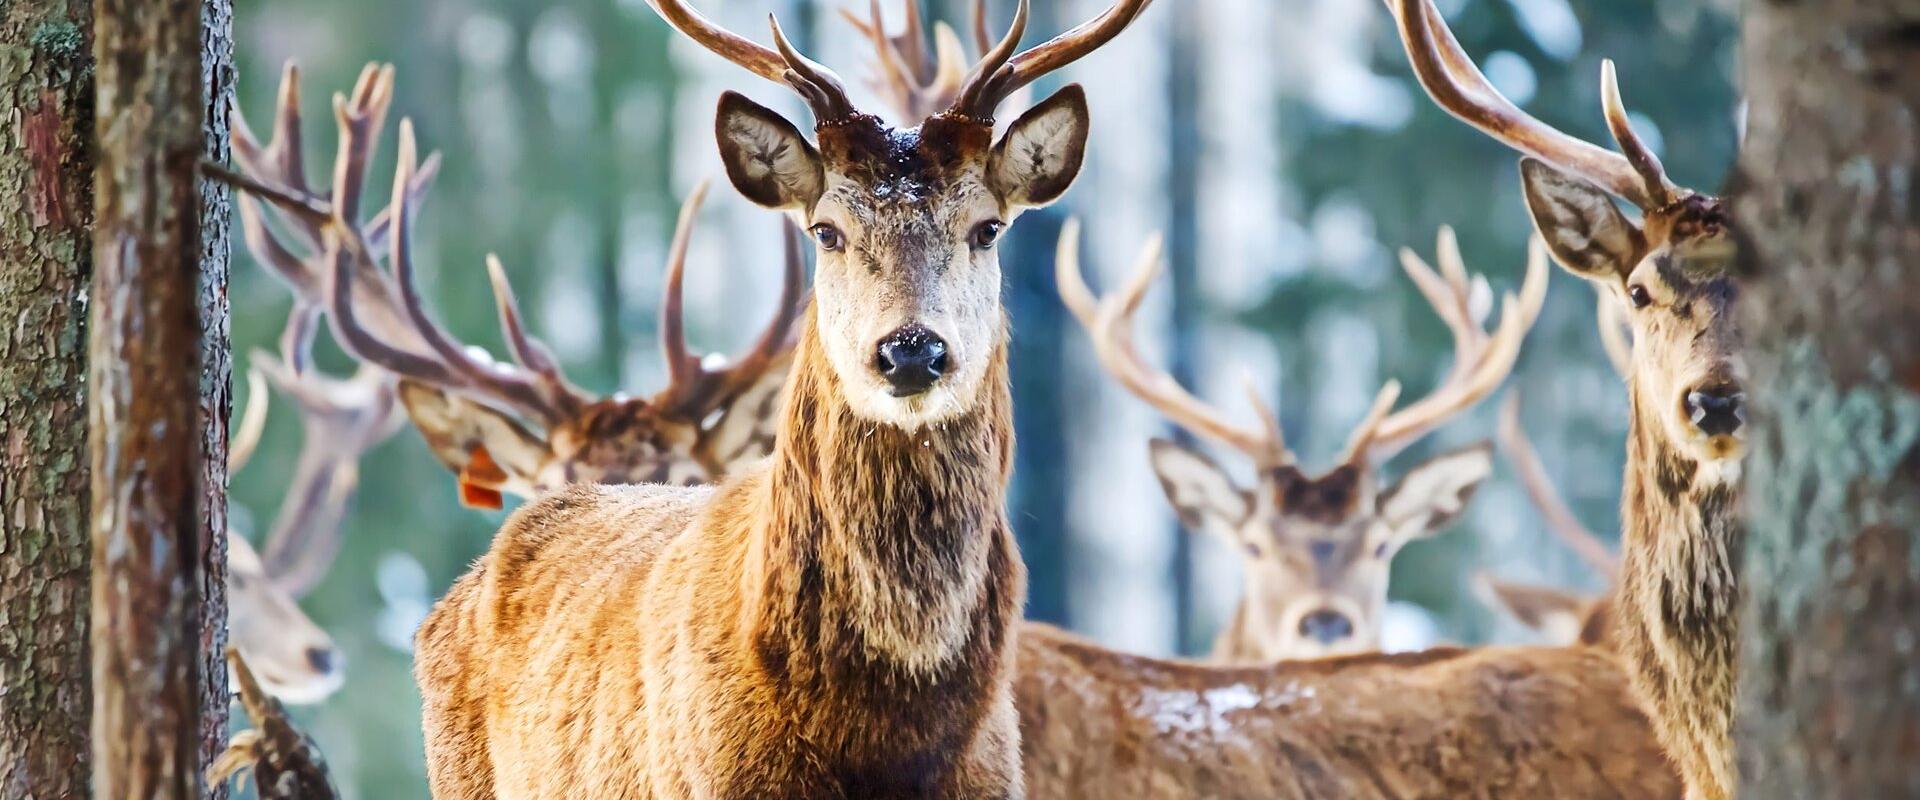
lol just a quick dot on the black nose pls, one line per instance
(1326, 626)
(1718, 410)
(321, 659)
(911, 359)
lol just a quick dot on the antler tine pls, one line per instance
(341, 419)
(916, 82)
(696, 391)
(1652, 175)
(1000, 74)
(1363, 434)
(1457, 85)
(1540, 490)
(1108, 322)
(253, 422)
(1490, 360)
(1614, 335)
(817, 85)
(360, 119)
(682, 366)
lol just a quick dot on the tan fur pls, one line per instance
(1674, 612)
(833, 623)
(1486, 723)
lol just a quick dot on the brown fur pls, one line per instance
(1448, 723)
(832, 623)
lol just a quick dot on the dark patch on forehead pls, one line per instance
(881, 157)
(1329, 499)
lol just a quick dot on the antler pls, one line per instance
(916, 81)
(1481, 361)
(1457, 85)
(822, 90)
(695, 389)
(1539, 488)
(1000, 72)
(1108, 322)
(1616, 335)
(341, 420)
(378, 316)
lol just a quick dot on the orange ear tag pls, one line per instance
(480, 480)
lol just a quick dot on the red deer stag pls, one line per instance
(470, 408)
(836, 621)
(1317, 547)
(283, 762)
(1674, 618)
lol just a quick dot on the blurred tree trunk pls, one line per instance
(157, 420)
(1184, 147)
(46, 208)
(1829, 203)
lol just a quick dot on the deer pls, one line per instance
(1674, 618)
(519, 428)
(1316, 547)
(294, 658)
(837, 619)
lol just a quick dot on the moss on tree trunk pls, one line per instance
(1829, 203)
(46, 211)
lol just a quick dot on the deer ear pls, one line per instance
(1200, 491)
(1433, 494)
(1558, 614)
(767, 158)
(1583, 229)
(489, 451)
(1040, 154)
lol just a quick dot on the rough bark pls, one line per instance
(159, 704)
(216, 378)
(46, 211)
(1829, 200)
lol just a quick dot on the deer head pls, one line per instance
(904, 220)
(1669, 268)
(1317, 547)
(517, 428)
(340, 419)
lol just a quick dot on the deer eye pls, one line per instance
(1638, 296)
(829, 237)
(985, 234)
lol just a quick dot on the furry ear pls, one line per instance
(767, 158)
(1201, 492)
(1558, 615)
(1041, 153)
(489, 451)
(1433, 494)
(1583, 229)
(745, 431)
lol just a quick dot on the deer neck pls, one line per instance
(1675, 608)
(889, 549)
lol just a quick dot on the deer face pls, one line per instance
(293, 658)
(1316, 551)
(905, 223)
(1670, 273)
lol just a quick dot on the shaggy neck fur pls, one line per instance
(1678, 600)
(886, 581)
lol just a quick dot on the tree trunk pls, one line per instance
(159, 702)
(1829, 203)
(46, 210)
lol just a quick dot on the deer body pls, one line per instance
(1446, 723)
(834, 623)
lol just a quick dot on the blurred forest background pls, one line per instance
(1282, 144)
